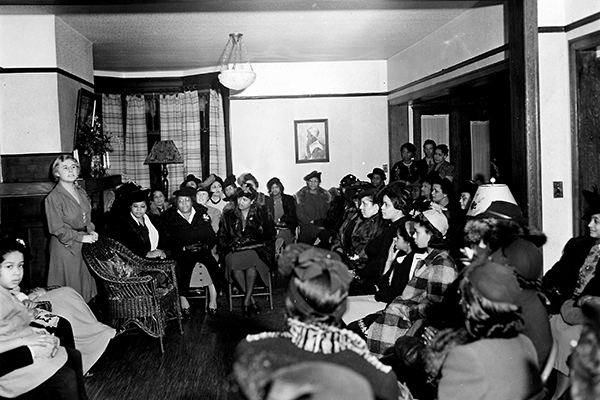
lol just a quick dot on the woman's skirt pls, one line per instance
(243, 260)
(566, 337)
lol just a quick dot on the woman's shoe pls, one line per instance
(212, 312)
(186, 313)
(246, 310)
(254, 308)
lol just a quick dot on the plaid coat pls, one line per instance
(432, 277)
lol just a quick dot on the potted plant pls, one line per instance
(92, 143)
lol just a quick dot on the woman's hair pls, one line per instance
(409, 146)
(318, 296)
(485, 318)
(157, 190)
(275, 181)
(248, 192)
(445, 185)
(437, 240)
(60, 159)
(443, 148)
(404, 234)
(398, 195)
(9, 244)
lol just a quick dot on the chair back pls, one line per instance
(111, 260)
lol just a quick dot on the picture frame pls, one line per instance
(311, 138)
(87, 109)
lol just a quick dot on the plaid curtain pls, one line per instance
(180, 122)
(112, 117)
(136, 142)
(217, 152)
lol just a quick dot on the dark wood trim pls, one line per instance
(551, 29)
(583, 21)
(453, 68)
(581, 43)
(46, 70)
(309, 96)
(573, 25)
(439, 88)
(524, 90)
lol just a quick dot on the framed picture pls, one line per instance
(87, 109)
(312, 141)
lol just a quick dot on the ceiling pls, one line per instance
(188, 35)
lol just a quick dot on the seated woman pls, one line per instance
(393, 201)
(570, 283)
(427, 285)
(282, 210)
(247, 244)
(203, 198)
(158, 203)
(488, 358)
(315, 302)
(214, 184)
(135, 229)
(189, 237)
(392, 282)
(312, 206)
(45, 370)
(248, 179)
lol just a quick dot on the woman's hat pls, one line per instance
(348, 180)
(229, 181)
(273, 181)
(138, 195)
(208, 181)
(313, 174)
(500, 209)
(377, 171)
(243, 178)
(593, 199)
(186, 191)
(191, 178)
(438, 220)
(494, 282)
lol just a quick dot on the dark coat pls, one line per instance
(130, 234)
(178, 232)
(386, 291)
(559, 282)
(402, 172)
(364, 231)
(289, 217)
(311, 208)
(259, 230)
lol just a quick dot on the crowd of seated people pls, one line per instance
(408, 295)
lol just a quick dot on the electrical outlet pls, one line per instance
(558, 189)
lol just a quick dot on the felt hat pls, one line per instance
(229, 181)
(208, 181)
(313, 174)
(138, 195)
(243, 178)
(186, 191)
(593, 200)
(494, 282)
(523, 256)
(352, 191)
(377, 171)
(318, 380)
(500, 209)
(367, 192)
(274, 181)
(203, 188)
(348, 180)
(437, 219)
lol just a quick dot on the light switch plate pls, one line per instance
(558, 189)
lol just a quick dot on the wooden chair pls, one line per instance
(264, 289)
(140, 291)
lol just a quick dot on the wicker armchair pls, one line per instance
(145, 294)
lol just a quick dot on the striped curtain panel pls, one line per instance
(180, 122)
(112, 120)
(217, 152)
(136, 142)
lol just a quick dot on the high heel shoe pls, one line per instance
(254, 308)
(245, 310)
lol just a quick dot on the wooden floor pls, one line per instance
(195, 365)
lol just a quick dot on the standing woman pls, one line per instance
(442, 167)
(247, 242)
(313, 204)
(68, 213)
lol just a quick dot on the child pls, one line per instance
(50, 371)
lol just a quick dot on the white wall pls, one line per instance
(474, 32)
(263, 129)
(555, 117)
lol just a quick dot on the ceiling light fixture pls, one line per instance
(236, 71)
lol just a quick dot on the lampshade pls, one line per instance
(164, 152)
(236, 71)
(488, 193)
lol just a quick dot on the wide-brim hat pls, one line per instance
(494, 282)
(207, 182)
(366, 192)
(186, 191)
(525, 257)
(500, 209)
(377, 171)
(313, 174)
(138, 195)
(352, 191)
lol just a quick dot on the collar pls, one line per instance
(191, 218)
